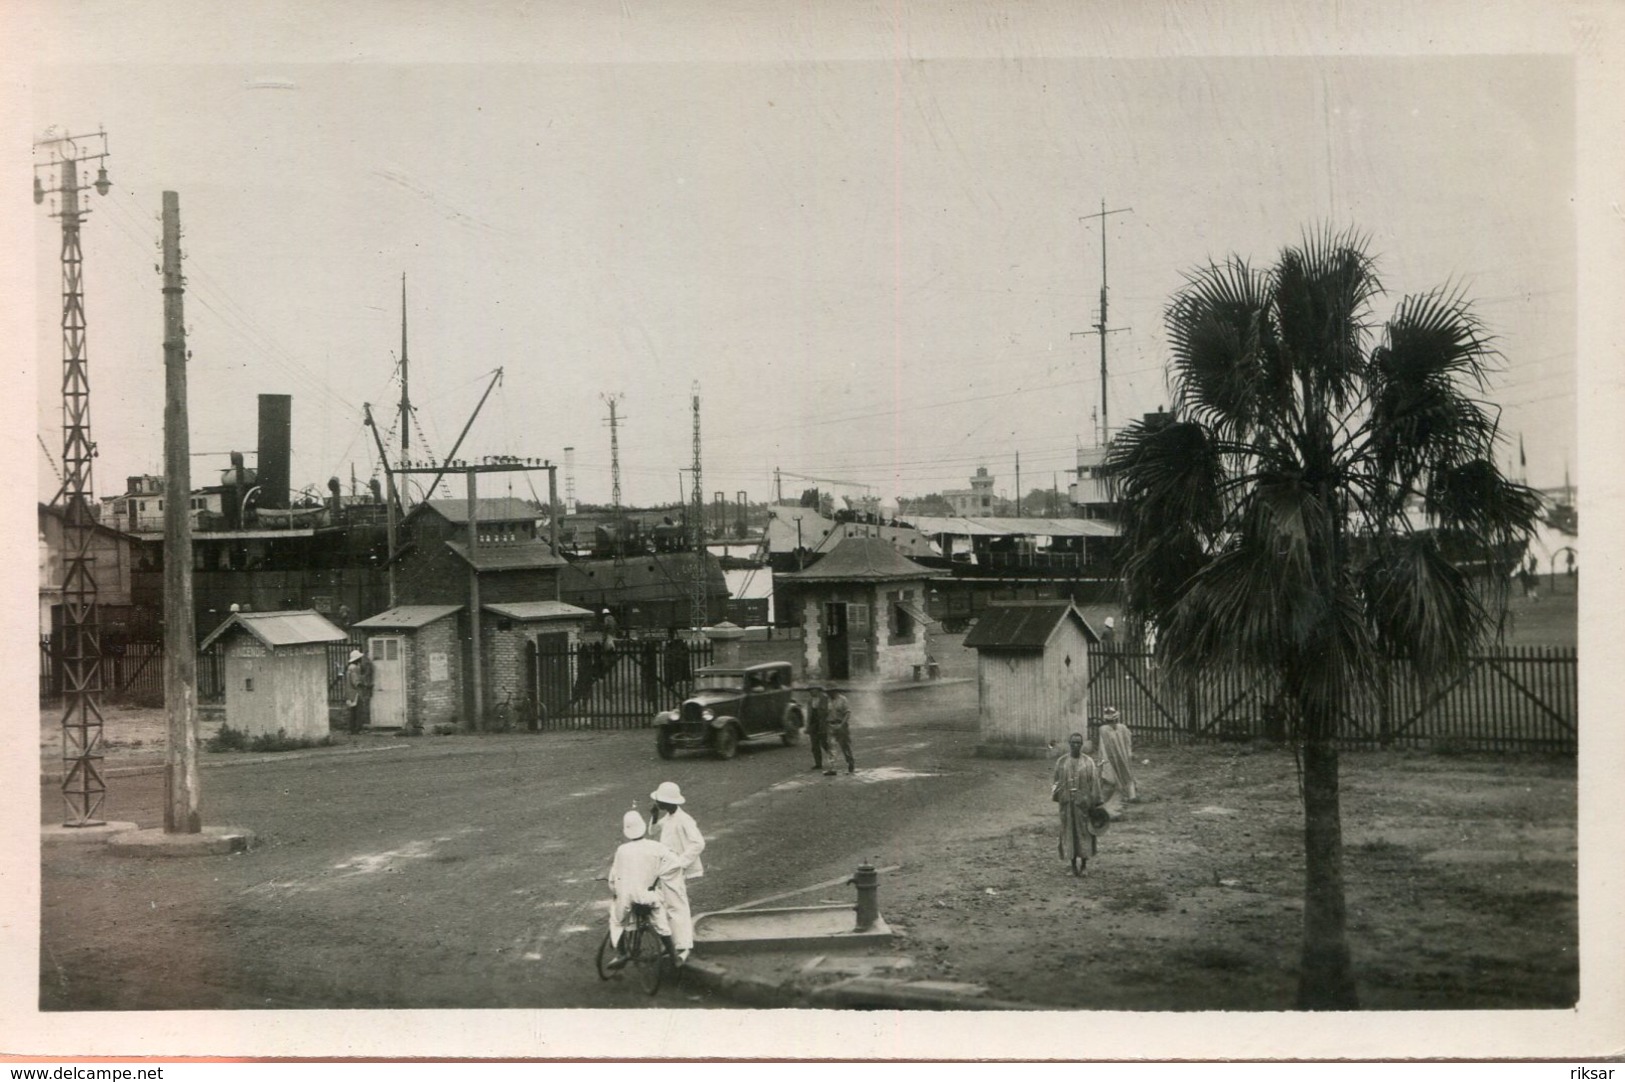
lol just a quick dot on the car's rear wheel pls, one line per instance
(793, 723)
(663, 743)
(725, 742)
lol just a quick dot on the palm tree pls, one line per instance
(1304, 508)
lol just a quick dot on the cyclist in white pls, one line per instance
(640, 864)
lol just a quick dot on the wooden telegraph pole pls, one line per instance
(181, 789)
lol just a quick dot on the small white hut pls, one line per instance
(277, 671)
(1032, 675)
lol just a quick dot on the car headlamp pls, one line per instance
(708, 714)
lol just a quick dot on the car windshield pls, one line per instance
(719, 681)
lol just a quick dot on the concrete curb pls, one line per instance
(137, 769)
(210, 841)
(861, 993)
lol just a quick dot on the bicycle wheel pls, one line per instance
(605, 953)
(648, 957)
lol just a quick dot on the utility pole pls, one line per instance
(470, 472)
(1018, 484)
(570, 480)
(406, 397)
(698, 615)
(182, 812)
(1100, 327)
(83, 789)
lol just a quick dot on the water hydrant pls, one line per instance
(867, 880)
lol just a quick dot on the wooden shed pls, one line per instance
(1032, 675)
(277, 671)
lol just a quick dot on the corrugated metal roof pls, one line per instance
(408, 616)
(281, 628)
(1024, 625)
(509, 556)
(538, 610)
(864, 559)
(820, 534)
(489, 509)
(1017, 527)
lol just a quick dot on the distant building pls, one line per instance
(976, 500)
(435, 557)
(1087, 490)
(114, 557)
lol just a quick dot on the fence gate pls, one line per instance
(610, 685)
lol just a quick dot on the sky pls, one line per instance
(869, 252)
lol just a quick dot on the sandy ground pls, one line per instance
(1461, 877)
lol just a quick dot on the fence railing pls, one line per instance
(610, 685)
(133, 672)
(1508, 699)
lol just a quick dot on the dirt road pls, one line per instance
(459, 872)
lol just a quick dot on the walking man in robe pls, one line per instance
(1077, 791)
(640, 866)
(1116, 762)
(678, 832)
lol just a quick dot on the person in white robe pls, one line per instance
(1116, 746)
(679, 833)
(635, 875)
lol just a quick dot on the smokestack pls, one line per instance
(377, 489)
(276, 449)
(337, 505)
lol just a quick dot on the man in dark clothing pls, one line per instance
(840, 729)
(818, 725)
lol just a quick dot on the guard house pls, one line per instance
(277, 671)
(1032, 675)
(862, 611)
(526, 651)
(417, 665)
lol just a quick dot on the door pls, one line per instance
(388, 681)
(836, 662)
(551, 674)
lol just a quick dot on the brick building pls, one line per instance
(862, 611)
(512, 561)
(417, 655)
(522, 638)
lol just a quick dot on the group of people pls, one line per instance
(1091, 794)
(829, 729)
(653, 867)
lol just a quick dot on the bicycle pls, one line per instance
(645, 953)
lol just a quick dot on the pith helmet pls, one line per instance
(668, 793)
(632, 825)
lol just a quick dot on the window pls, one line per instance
(857, 618)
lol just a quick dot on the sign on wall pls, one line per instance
(438, 667)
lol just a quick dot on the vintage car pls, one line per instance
(729, 705)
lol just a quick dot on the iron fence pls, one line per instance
(1507, 699)
(619, 684)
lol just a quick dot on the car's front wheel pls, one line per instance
(725, 742)
(663, 743)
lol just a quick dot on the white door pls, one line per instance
(388, 681)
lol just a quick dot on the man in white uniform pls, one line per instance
(639, 866)
(680, 834)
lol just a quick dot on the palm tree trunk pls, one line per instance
(1325, 973)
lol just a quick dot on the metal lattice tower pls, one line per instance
(570, 480)
(697, 598)
(83, 789)
(613, 400)
(1100, 328)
